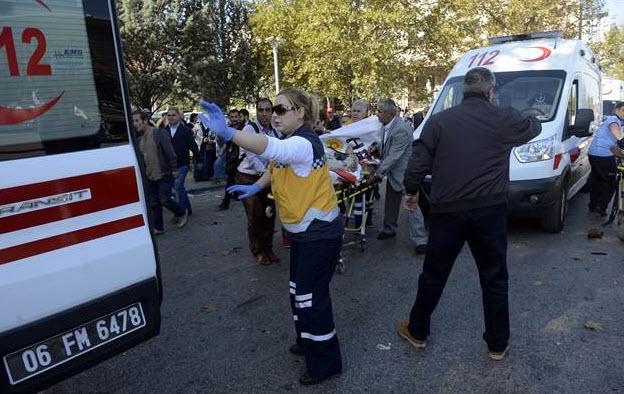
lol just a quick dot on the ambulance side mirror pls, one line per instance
(582, 122)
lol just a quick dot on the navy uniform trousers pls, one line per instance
(312, 266)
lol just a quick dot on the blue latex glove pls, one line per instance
(245, 190)
(212, 118)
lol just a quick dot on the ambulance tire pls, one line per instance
(555, 218)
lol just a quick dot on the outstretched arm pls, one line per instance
(214, 120)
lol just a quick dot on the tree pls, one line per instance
(572, 17)
(178, 51)
(375, 48)
(611, 52)
(359, 48)
(219, 62)
(145, 29)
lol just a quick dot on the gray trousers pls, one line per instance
(391, 209)
(418, 233)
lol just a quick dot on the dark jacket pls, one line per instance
(333, 123)
(466, 150)
(166, 153)
(183, 142)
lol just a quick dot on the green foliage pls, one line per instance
(611, 52)
(572, 17)
(149, 55)
(375, 48)
(178, 51)
(365, 48)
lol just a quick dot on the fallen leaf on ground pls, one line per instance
(539, 283)
(599, 253)
(228, 252)
(576, 258)
(593, 325)
(381, 346)
(594, 233)
(209, 308)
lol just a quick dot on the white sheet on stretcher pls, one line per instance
(359, 135)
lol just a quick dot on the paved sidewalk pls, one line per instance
(194, 187)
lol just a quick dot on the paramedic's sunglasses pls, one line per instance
(282, 109)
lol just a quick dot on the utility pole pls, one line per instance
(275, 43)
(580, 23)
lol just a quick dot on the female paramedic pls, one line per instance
(602, 160)
(306, 201)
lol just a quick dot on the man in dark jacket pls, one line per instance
(332, 122)
(466, 150)
(183, 141)
(161, 168)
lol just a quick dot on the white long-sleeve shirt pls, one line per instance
(254, 164)
(295, 151)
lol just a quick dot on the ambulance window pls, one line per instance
(450, 96)
(573, 103)
(61, 89)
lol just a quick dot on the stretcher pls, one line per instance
(354, 196)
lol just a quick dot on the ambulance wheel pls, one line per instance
(554, 219)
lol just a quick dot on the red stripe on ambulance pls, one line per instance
(68, 239)
(108, 189)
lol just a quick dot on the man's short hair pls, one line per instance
(176, 110)
(264, 100)
(360, 103)
(387, 105)
(479, 80)
(244, 112)
(143, 114)
(234, 111)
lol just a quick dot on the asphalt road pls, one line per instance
(227, 324)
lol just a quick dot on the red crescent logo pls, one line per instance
(545, 53)
(609, 92)
(11, 116)
(43, 4)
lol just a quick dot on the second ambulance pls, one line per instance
(558, 81)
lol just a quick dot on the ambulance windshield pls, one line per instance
(530, 92)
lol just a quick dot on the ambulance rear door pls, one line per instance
(79, 278)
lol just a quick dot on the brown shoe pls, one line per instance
(182, 219)
(498, 356)
(271, 256)
(261, 259)
(402, 329)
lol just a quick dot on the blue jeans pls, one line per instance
(180, 191)
(219, 167)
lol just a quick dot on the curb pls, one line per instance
(202, 189)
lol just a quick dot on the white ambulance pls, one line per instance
(558, 81)
(79, 278)
(612, 92)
